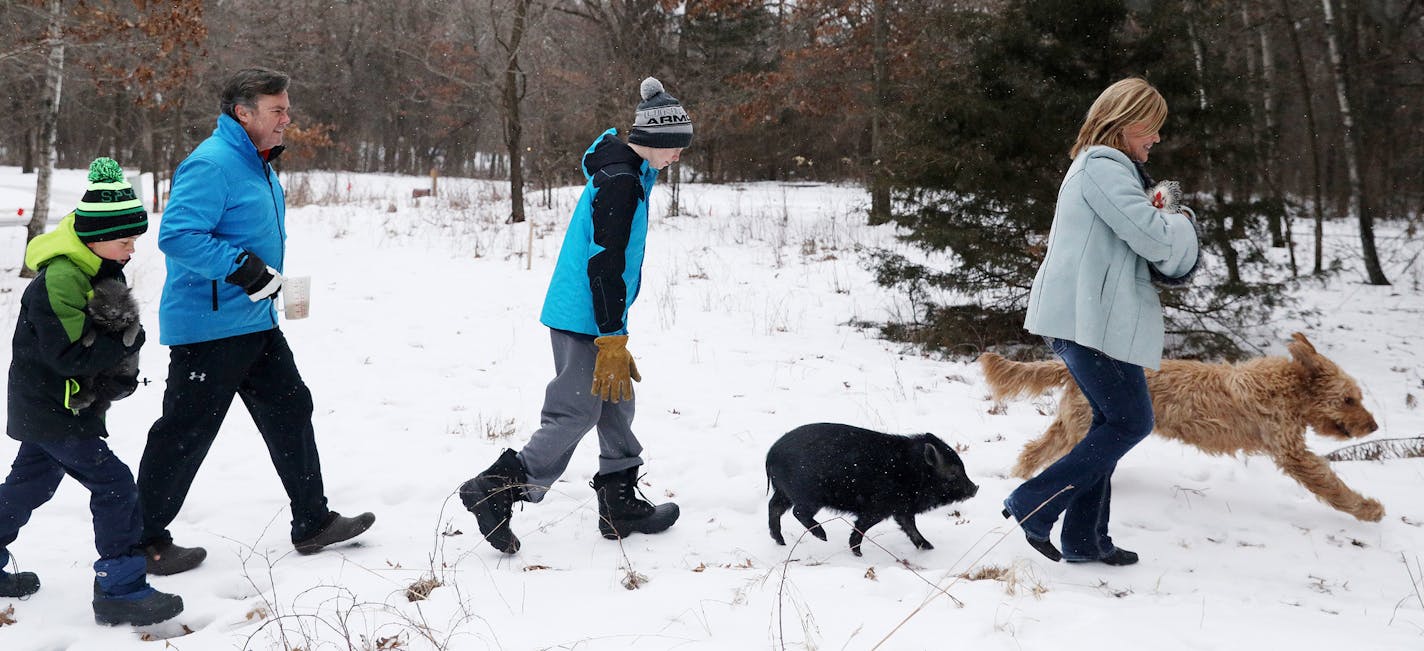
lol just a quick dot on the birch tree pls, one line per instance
(1359, 209)
(49, 124)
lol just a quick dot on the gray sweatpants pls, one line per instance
(570, 411)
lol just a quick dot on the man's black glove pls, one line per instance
(255, 277)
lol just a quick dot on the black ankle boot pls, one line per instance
(338, 528)
(1119, 556)
(491, 495)
(165, 558)
(622, 509)
(1041, 546)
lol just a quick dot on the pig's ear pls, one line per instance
(933, 457)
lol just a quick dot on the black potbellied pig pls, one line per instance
(862, 472)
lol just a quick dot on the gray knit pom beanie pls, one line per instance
(660, 120)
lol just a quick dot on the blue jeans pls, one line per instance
(38, 468)
(1122, 416)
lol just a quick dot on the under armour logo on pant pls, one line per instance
(194, 375)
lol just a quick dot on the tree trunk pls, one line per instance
(1262, 65)
(49, 127)
(675, 173)
(1228, 229)
(880, 70)
(149, 160)
(675, 190)
(709, 156)
(1281, 219)
(513, 128)
(1358, 206)
(1313, 136)
(27, 166)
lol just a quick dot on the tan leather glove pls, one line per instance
(613, 368)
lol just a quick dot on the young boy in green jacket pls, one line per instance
(56, 348)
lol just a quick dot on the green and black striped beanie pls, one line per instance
(109, 210)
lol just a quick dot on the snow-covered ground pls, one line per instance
(426, 358)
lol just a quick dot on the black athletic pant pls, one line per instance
(202, 379)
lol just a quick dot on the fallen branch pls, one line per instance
(1410, 448)
(1414, 584)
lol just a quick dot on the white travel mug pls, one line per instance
(296, 296)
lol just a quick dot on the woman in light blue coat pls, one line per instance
(1094, 302)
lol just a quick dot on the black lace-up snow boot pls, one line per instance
(19, 584)
(491, 495)
(622, 510)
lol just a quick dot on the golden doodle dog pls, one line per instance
(1261, 406)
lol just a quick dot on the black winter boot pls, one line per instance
(19, 584)
(338, 528)
(164, 558)
(142, 608)
(123, 596)
(491, 495)
(622, 510)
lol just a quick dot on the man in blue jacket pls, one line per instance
(595, 282)
(224, 235)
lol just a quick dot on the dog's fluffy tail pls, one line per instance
(1013, 379)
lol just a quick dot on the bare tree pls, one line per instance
(1358, 206)
(1312, 135)
(513, 93)
(49, 124)
(1228, 227)
(1260, 61)
(879, 97)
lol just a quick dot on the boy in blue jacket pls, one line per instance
(596, 280)
(51, 358)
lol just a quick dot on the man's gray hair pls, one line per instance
(244, 86)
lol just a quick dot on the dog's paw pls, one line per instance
(1370, 510)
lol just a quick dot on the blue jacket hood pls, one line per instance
(599, 271)
(608, 150)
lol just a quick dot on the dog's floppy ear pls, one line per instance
(1304, 353)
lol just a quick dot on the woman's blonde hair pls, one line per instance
(1126, 102)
